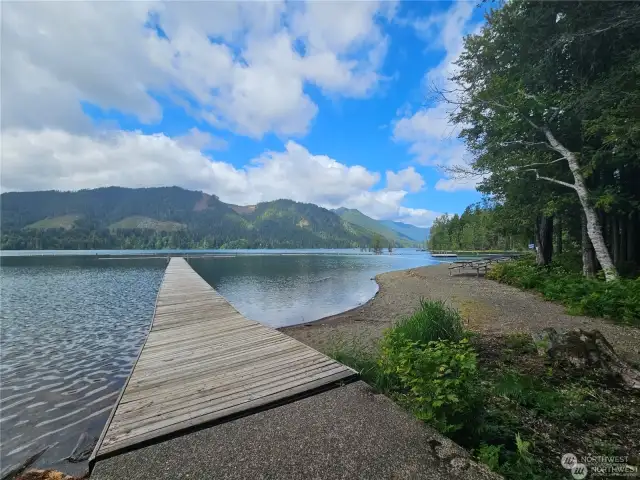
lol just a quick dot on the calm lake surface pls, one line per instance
(72, 326)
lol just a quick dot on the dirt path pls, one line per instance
(486, 307)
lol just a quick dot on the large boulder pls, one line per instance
(586, 350)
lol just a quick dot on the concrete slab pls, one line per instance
(345, 433)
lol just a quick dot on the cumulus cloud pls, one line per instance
(200, 140)
(242, 66)
(56, 159)
(429, 133)
(407, 177)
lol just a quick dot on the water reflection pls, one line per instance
(286, 290)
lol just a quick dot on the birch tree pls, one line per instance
(535, 92)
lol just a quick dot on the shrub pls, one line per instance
(436, 380)
(433, 321)
(618, 300)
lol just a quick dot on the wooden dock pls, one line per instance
(203, 362)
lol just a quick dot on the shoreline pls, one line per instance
(336, 317)
(486, 306)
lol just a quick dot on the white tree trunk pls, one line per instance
(593, 224)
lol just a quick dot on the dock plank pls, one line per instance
(203, 361)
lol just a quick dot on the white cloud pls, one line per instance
(234, 63)
(456, 184)
(407, 177)
(426, 125)
(196, 138)
(55, 159)
(431, 136)
(240, 66)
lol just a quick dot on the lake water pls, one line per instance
(72, 325)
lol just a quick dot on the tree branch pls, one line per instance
(543, 163)
(549, 179)
(525, 143)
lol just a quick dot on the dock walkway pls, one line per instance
(203, 362)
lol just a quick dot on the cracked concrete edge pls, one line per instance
(455, 459)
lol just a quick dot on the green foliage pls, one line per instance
(366, 363)
(376, 243)
(477, 229)
(490, 455)
(569, 405)
(493, 412)
(159, 218)
(435, 379)
(618, 301)
(434, 320)
(138, 222)
(567, 70)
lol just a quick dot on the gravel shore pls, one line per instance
(486, 306)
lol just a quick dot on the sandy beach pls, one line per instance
(486, 306)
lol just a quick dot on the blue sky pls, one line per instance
(326, 102)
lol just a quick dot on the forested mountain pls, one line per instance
(167, 217)
(417, 234)
(356, 217)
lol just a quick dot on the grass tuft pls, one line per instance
(433, 321)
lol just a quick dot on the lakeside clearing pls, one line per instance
(486, 307)
(474, 372)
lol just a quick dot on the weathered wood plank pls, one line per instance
(203, 361)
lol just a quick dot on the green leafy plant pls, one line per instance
(522, 447)
(490, 455)
(436, 379)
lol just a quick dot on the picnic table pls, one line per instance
(477, 264)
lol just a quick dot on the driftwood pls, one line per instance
(583, 349)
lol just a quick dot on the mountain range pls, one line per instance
(172, 217)
(401, 233)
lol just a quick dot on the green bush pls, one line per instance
(433, 321)
(618, 300)
(436, 380)
(490, 455)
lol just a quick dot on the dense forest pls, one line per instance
(547, 98)
(478, 228)
(168, 217)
